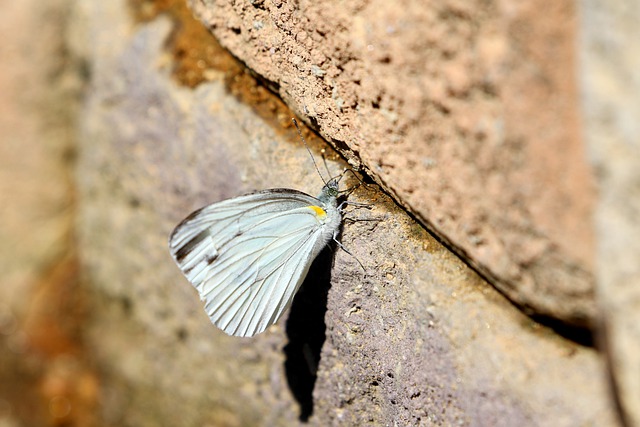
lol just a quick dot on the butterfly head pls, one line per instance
(330, 191)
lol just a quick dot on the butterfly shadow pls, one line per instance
(306, 332)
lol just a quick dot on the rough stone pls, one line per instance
(466, 112)
(417, 338)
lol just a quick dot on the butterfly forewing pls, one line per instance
(248, 255)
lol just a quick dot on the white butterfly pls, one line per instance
(247, 256)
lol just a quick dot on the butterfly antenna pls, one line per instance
(295, 122)
(326, 166)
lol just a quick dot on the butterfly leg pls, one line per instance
(356, 204)
(335, 235)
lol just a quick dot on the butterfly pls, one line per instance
(247, 256)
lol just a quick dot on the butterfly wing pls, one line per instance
(247, 256)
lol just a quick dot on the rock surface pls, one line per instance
(466, 112)
(416, 339)
(44, 375)
(98, 326)
(611, 88)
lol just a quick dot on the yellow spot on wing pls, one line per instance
(318, 210)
